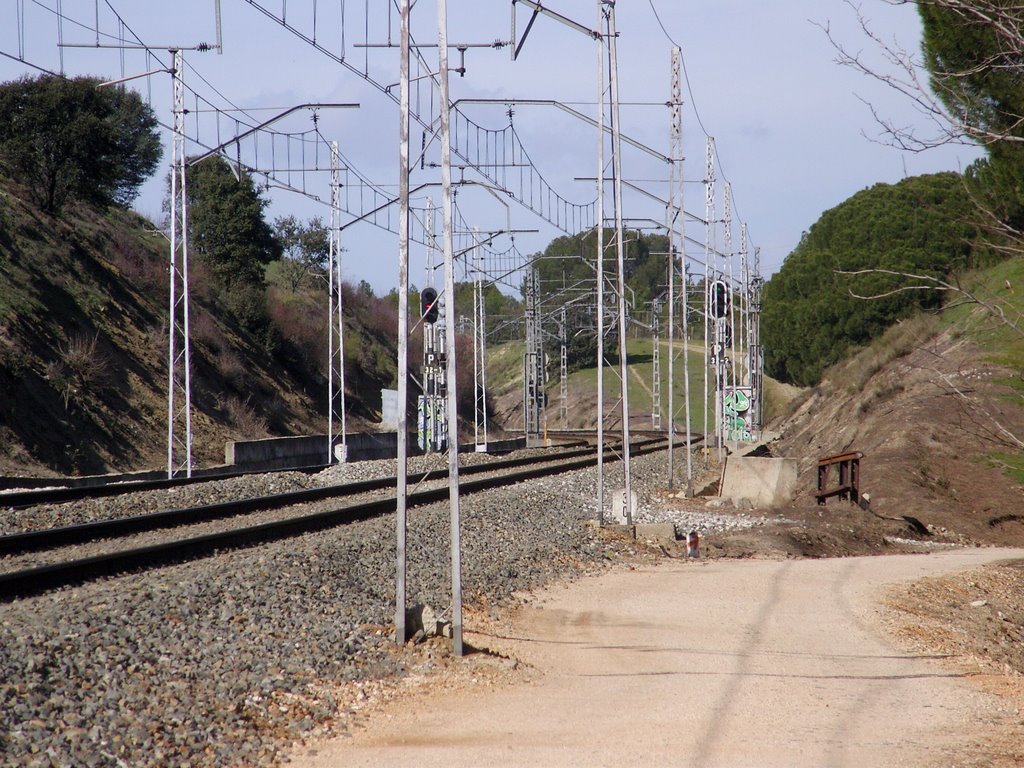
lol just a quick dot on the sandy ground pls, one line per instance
(709, 663)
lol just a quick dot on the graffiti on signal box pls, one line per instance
(737, 420)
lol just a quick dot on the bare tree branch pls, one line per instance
(938, 284)
(906, 75)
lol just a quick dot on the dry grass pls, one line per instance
(781, 400)
(83, 370)
(243, 417)
(907, 335)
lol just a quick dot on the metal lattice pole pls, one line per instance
(533, 360)
(563, 372)
(686, 370)
(656, 365)
(711, 326)
(743, 347)
(483, 363)
(620, 258)
(432, 401)
(675, 208)
(336, 322)
(599, 264)
(731, 334)
(479, 348)
(476, 348)
(756, 351)
(671, 213)
(179, 364)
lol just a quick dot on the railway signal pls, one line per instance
(428, 305)
(718, 299)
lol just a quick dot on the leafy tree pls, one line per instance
(228, 233)
(69, 139)
(974, 67)
(810, 319)
(974, 53)
(975, 70)
(503, 314)
(306, 248)
(137, 142)
(414, 299)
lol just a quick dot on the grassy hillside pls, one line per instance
(641, 386)
(83, 348)
(936, 405)
(505, 366)
(996, 325)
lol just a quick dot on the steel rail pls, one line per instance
(36, 496)
(50, 538)
(40, 579)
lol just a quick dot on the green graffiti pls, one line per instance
(735, 404)
(737, 401)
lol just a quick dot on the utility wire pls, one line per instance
(693, 103)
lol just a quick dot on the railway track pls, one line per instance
(64, 494)
(20, 499)
(115, 528)
(41, 578)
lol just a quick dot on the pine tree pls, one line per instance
(228, 233)
(975, 62)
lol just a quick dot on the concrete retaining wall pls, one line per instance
(763, 482)
(277, 452)
(270, 453)
(311, 451)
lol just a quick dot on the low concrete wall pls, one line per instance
(365, 446)
(92, 481)
(277, 452)
(311, 451)
(763, 482)
(267, 454)
(496, 446)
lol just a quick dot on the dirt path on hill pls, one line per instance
(704, 663)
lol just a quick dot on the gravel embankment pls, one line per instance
(224, 661)
(216, 491)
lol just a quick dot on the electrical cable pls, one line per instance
(693, 101)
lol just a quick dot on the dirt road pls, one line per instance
(711, 663)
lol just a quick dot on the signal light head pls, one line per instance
(428, 305)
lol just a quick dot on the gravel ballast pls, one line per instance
(226, 660)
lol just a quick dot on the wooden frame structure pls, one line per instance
(848, 480)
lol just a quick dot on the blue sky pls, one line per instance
(794, 136)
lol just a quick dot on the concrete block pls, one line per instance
(389, 408)
(277, 453)
(761, 482)
(657, 533)
(341, 453)
(629, 531)
(496, 446)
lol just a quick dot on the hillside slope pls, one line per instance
(83, 348)
(935, 405)
(938, 415)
